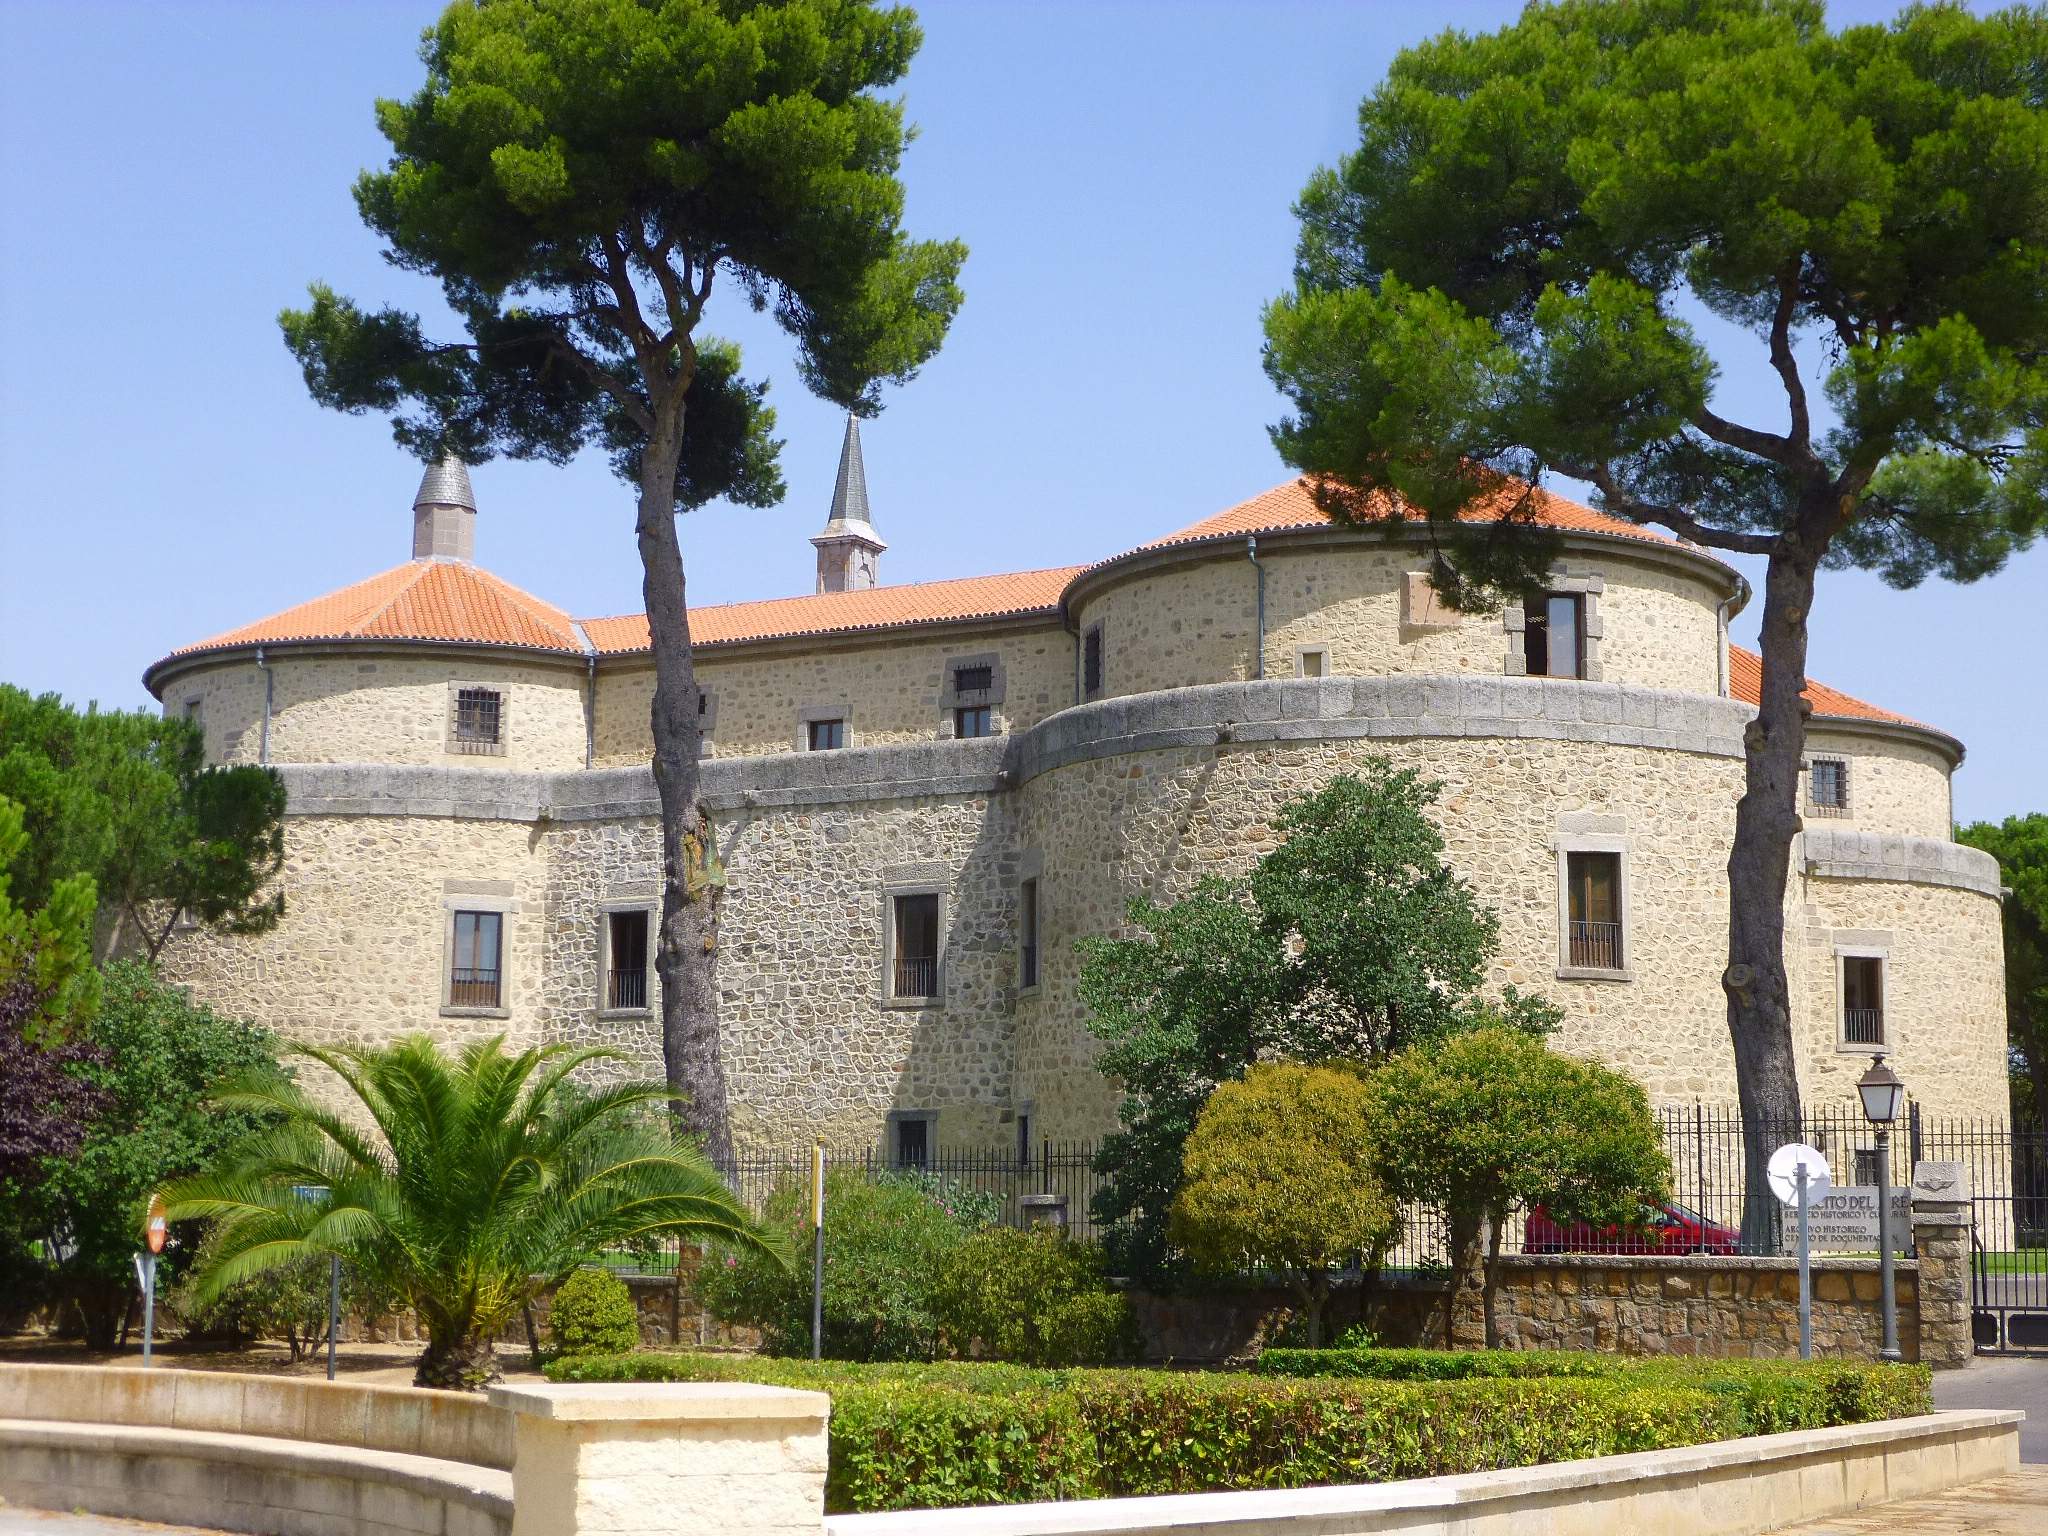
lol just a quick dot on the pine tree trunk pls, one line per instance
(1759, 866)
(687, 943)
(463, 1362)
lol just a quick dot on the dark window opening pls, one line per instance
(1866, 1165)
(827, 735)
(915, 968)
(474, 974)
(626, 984)
(972, 680)
(979, 720)
(1554, 635)
(1830, 779)
(1862, 1000)
(1091, 662)
(913, 1143)
(1024, 1140)
(477, 714)
(1593, 894)
(1027, 901)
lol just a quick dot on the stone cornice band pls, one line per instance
(1280, 710)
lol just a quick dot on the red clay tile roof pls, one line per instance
(1293, 505)
(1746, 679)
(420, 600)
(925, 602)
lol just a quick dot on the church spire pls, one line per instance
(444, 513)
(849, 549)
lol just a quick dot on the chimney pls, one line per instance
(444, 513)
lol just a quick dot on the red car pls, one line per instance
(1670, 1228)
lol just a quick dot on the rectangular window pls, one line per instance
(625, 983)
(914, 968)
(1314, 663)
(827, 735)
(477, 713)
(1866, 1166)
(1554, 634)
(979, 720)
(1024, 1138)
(913, 1142)
(1091, 662)
(971, 680)
(194, 708)
(1829, 780)
(1027, 922)
(1593, 894)
(474, 975)
(1863, 1000)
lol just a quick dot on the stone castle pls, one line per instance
(925, 794)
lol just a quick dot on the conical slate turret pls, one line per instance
(444, 513)
(849, 549)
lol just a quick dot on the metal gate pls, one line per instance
(2008, 1173)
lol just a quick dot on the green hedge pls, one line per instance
(1433, 1364)
(934, 1436)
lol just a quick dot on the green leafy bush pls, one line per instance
(1374, 1364)
(887, 1242)
(932, 1436)
(1035, 1298)
(593, 1314)
(288, 1303)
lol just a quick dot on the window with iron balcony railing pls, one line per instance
(1596, 946)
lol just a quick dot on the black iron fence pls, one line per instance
(2006, 1173)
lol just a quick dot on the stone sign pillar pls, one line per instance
(1941, 1240)
(666, 1459)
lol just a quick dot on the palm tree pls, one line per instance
(480, 1179)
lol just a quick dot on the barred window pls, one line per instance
(915, 969)
(973, 680)
(1593, 908)
(475, 975)
(1829, 786)
(478, 713)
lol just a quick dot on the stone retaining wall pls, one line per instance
(1631, 1304)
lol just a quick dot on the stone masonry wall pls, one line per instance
(1152, 823)
(813, 1048)
(1129, 797)
(890, 691)
(1944, 980)
(1894, 786)
(1195, 623)
(390, 708)
(359, 958)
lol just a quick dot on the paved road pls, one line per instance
(2004, 1506)
(2003, 1381)
(35, 1522)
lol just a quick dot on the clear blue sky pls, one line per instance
(172, 175)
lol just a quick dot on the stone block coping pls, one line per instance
(1747, 1485)
(242, 1482)
(643, 1402)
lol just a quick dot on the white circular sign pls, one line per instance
(1784, 1170)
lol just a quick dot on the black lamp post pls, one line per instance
(1883, 1097)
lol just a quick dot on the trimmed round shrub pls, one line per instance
(1034, 1298)
(593, 1314)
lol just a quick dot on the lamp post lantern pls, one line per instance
(1883, 1097)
